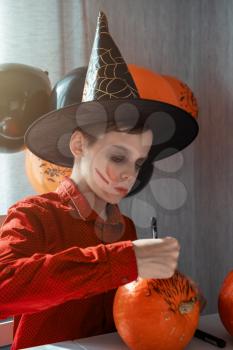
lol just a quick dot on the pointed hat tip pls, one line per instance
(102, 19)
(111, 69)
(102, 14)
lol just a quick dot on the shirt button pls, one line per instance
(124, 280)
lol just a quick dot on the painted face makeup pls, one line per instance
(118, 164)
(101, 176)
(111, 165)
(120, 190)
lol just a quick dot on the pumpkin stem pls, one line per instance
(186, 307)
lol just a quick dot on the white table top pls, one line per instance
(112, 341)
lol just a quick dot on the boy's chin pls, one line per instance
(109, 197)
(114, 201)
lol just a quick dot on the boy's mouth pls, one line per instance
(121, 190)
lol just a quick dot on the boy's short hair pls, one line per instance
(111, 126)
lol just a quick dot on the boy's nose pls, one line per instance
(128, 174)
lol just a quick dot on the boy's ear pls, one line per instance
(77, 143)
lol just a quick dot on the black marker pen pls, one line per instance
(154, 227)
(209, 338)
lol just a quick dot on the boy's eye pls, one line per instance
(117, 159)
(139, 166)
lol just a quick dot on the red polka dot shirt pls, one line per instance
(60, 265)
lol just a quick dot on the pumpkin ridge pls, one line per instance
(160, 286)
(170, 289)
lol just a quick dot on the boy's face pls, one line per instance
(114, 161)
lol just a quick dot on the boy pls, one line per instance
(64, 253)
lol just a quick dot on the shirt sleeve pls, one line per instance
(31, 280)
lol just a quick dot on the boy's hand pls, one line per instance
(156, 258)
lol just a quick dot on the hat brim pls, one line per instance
(173, 128)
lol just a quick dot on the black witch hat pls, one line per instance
(111, 96)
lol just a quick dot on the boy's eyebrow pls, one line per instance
(127, 151)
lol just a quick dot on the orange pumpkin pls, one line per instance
(225, 302)
(159, 314)
(43, 176)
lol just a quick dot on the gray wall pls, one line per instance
(191, 193)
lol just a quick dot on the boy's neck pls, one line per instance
(97, 204)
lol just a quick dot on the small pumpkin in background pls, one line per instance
(225, 303)
(159, 314)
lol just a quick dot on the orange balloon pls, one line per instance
(164, 88)
(184, 95)
(43, 176)
(152, 85)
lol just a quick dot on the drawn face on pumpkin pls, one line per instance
(114, 160)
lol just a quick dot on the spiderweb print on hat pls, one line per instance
(108, 76)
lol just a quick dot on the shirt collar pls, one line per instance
(69, 190)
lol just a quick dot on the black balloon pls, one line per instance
(69, 89)
(24, 96)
